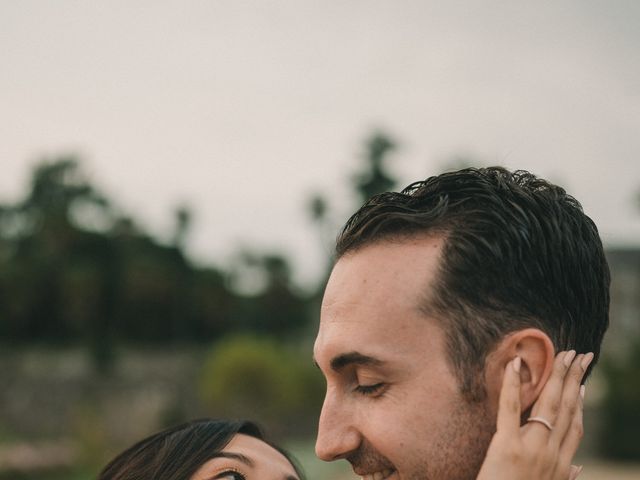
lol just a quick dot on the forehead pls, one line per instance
(376, 295)
(264, 456)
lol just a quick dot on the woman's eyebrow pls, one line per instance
(237, 456)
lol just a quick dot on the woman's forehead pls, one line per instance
(250, 455)
(263, 456)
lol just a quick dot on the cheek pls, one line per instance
(400, 423)
(411, 417)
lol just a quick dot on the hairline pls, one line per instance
(433, 305)
(428, 302)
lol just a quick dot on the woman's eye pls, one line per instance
(369, 389)
(229, 475)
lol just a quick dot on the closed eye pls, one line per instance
(369, 389)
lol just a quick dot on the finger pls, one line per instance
(549, 399)
(548, 402)
(570, 397)
(571, 441)
(575, 471)
(509, 407)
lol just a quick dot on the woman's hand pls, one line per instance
(542, 448)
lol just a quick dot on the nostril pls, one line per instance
(338, 444)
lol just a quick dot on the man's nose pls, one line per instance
(338, 436)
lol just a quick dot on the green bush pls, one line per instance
(261, 379)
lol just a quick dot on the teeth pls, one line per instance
(377, 475)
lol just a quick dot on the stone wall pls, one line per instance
(55, 393)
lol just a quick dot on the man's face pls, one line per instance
(393, 407)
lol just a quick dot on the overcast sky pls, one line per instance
(242, 108)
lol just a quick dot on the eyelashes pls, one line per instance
(229, 475)
(369, 390)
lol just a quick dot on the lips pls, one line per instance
(371, 465)
(379, 475)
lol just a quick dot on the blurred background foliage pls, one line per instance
(74, 271)
(621, 406)
(266, 380)
(109, 333)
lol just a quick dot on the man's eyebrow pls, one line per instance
(237, 456)
(353, 358)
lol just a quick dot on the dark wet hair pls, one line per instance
(178, 452)
(519, 252)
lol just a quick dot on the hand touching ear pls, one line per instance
(542, 448)
(536, 352)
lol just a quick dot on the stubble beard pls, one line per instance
(456, 454)
(460, 450)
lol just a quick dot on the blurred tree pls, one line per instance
(318, 207)
(374, 178)
(56, 278)
(320, 213)
(39, 237)
(271, 303)
(286, 307)
(72, 270)
(183, 219)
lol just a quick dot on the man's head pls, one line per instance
(433, 291)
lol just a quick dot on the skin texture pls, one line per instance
(414, 424)
(247, 458)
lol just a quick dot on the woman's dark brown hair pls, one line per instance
(178, 452)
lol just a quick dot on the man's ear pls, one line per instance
(535, 349)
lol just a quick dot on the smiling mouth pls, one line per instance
(381, 475)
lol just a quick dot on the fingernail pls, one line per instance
(516, 364)
(568, 358)
(586, 361)
(578, 470)
(582, 389)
